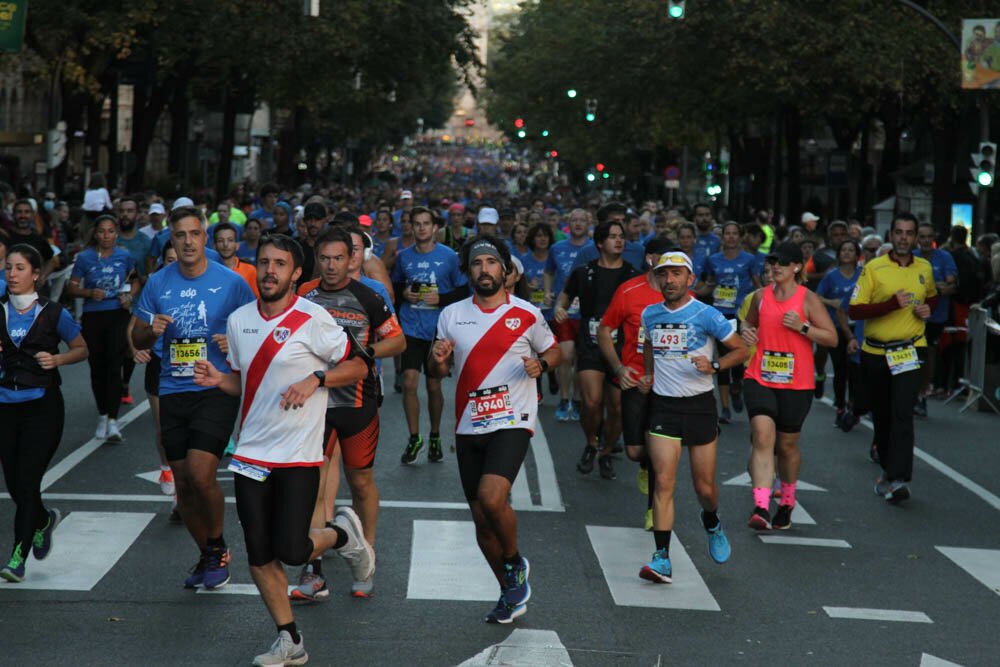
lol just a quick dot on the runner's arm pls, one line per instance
(821, 328)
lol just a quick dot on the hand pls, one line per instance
(628, 377)
(852, 346)
(645, 384)
(922, 310)
(205, 374)
(160, 323)
(442, 350)
(560, 314)
(432, 299)
(297, 395)
(47, 361)
(222, 342)
(532, 366)
(125, 298)
(748, 334)
(97, 294)
(703, 365)
(792, 320)
(141, 356)
(411, 295)
(903, 298)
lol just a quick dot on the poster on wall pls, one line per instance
(981, 54)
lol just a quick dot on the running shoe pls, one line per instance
(505, 613)
(434, 452)
(920, 407)
(725, 417)
(848, 421)
(283, 652)
(783, 517)
(736, 398)
(574, 411)
(196, 575)
(114, 435)
(760, 519)
(873, 454)
(642, 480)
(619, 445)
(838, 420)
(658, 570)
(517, 590)
(820, 385)
(898, 491)
(175, 514)
(718, 545)
(607, 467)
(167, 486)
(216, 573)
(127, 399)
(41, 543)
(363, 589)
(882, 486)
(13, 571)
(102, 428)
(311, 586)
(413, 448)
(357, 552)
(397, 385)
(648, 520)
(562, 411)
(586, 463)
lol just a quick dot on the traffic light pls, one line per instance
(56, 152)
(571, 93)
(675, 9)
(518, 123)
(553, 154)
(713, 190)
(521, 134)
(600, 166)
(591, 110)
(545, 133)
(987, 165)
(590, 177)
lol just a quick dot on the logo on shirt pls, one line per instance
(281, 334)
(166, 295)
(512, 323)
(251, 331)
(423, 265)
(921, 278)
(18, 333)
(189, 293)
(213, 290)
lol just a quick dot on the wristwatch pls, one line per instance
(544, 364)
(804, 329)
(715, 367)
(321, 376)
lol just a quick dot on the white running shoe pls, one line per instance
(357, 552)
(167, 482)
(284, 652)
(114, 435)
(102, 428)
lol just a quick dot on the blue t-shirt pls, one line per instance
(733, 278)
(678, 335)
(106, 273)
(835, 286)
(707, 245)
(18, 326)
(943, 265)
(760, 261)
(200, 307)
(635, 254)
(562, 260)
(138, 246)
(266, 219)
(384, 293)
(430, 272)
(246, 253)
(534, 275)
(3, 281)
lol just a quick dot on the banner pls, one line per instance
(12, 19)
(981, 54)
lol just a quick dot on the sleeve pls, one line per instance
(233, 357)
(614, 316)
(571, 287)
(929, 283)
(244, 294)
(823, 289)
(380, 288)
(328, 339)
(708, 271)
(67, 328)
(147, 306)
(539, 334)
(383, 320)
(718, 326)
(79, 266)
(863, 290)
(444, 322)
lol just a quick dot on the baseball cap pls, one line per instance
(484, 248)
(365, 220)
(488, 216)
(456, 208)
(808, 216)
(785, 252)
(314, 211)
(181, 201)
(675, 258)
(406, 194)
(517, 265)
(157, 207)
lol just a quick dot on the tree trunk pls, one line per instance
(945, 140)
(228, 142)
(891, 153)
(149, 102)
(93, 150)
(793, 131)
(864, 174)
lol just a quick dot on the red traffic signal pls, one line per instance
(518, 123)
(600, 166)
(553, 153)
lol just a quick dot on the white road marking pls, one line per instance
(548, 485)
(928, 660)
(56, 472)
(863, 614)
(980, 563)
(527, 648)
(85, 546)
(804, 541)
(235, 589)
(623, 551)
(446, 564)
(743, 479)
(520, 494)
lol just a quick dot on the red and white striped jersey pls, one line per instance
(494, 391)
(271, 355)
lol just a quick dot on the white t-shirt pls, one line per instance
(489, 351)
(271, 355)
(97, 200)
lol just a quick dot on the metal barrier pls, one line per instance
(980, 327)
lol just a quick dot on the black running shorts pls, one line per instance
(201, 420)
(635, 416)
(151, 379)
(276, 514)
(787, 407)
(415, 355)
(691, 419)
(498, 453)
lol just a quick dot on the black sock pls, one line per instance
(341, 535)
(434, 434)
(710, 519)
(414, 437)
(291, 629)
(215, 543)
(662, 539)
(317, 567)
(514, 560)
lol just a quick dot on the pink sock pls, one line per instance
(788, 494)
(761, 496)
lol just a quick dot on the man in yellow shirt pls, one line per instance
(894, 296)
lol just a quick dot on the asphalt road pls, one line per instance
(924, 577)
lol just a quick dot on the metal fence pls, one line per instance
(980, 327)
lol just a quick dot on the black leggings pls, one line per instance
(843, 381)
(29, 436)
(104, 333)
(276, 514)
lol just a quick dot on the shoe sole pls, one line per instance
(518, 612)
(296, 594)
(355, 521)
(301, 660)
(114, 439)
(757, 522)
(649, 574)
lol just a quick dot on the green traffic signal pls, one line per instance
(591, 117)
(985, 179)
(571, 93)
(545, 133)
(521, 134)
(676, 9)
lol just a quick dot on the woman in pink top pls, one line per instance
(784, 320)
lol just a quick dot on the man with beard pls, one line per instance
(137, 245)
(284, 353)
(24, 231)
(707, 242)
(500, 344)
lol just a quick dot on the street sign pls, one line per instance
(12, 20)
(672, 184)
(672, 173)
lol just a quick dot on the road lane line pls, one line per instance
(523, 647)
(623, 551)
(804, 541)
(520, 494)
(863, 614)
(743, 479)
(446, 564)
(236, 589)
(980, 563)
(928, 660)
(548, 485)
(56, 472)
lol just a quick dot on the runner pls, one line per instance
(492, 338)
(679, 364)
(247, 251)
(352, 419)
(224, 238)
(104, 277)
(946, 281)
(784, 320)
(594, 285)
(540, 240)
(187, 304)
(895, 296)
(427, 277)
(707, 243)
(281, 350)
(138, 246)
(835, 291)
(32, 412)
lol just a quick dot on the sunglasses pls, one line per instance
(780, 262)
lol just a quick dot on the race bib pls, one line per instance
(491, 408)
(593, 324)
(250, 470)
(902, 358)
(724, 296)
(183, 353)
(423, 291)
(640, 340)
(537, 298)
(777, 367)
(669, 341)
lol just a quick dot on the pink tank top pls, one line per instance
(784, 358)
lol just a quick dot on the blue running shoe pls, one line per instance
(574, 411)
(504, 613)
(41, 544)
(562, 411)
(216, 568)
(517, 590)
(13, 571)
(658, 570)
(718, 545)
(196, 575)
